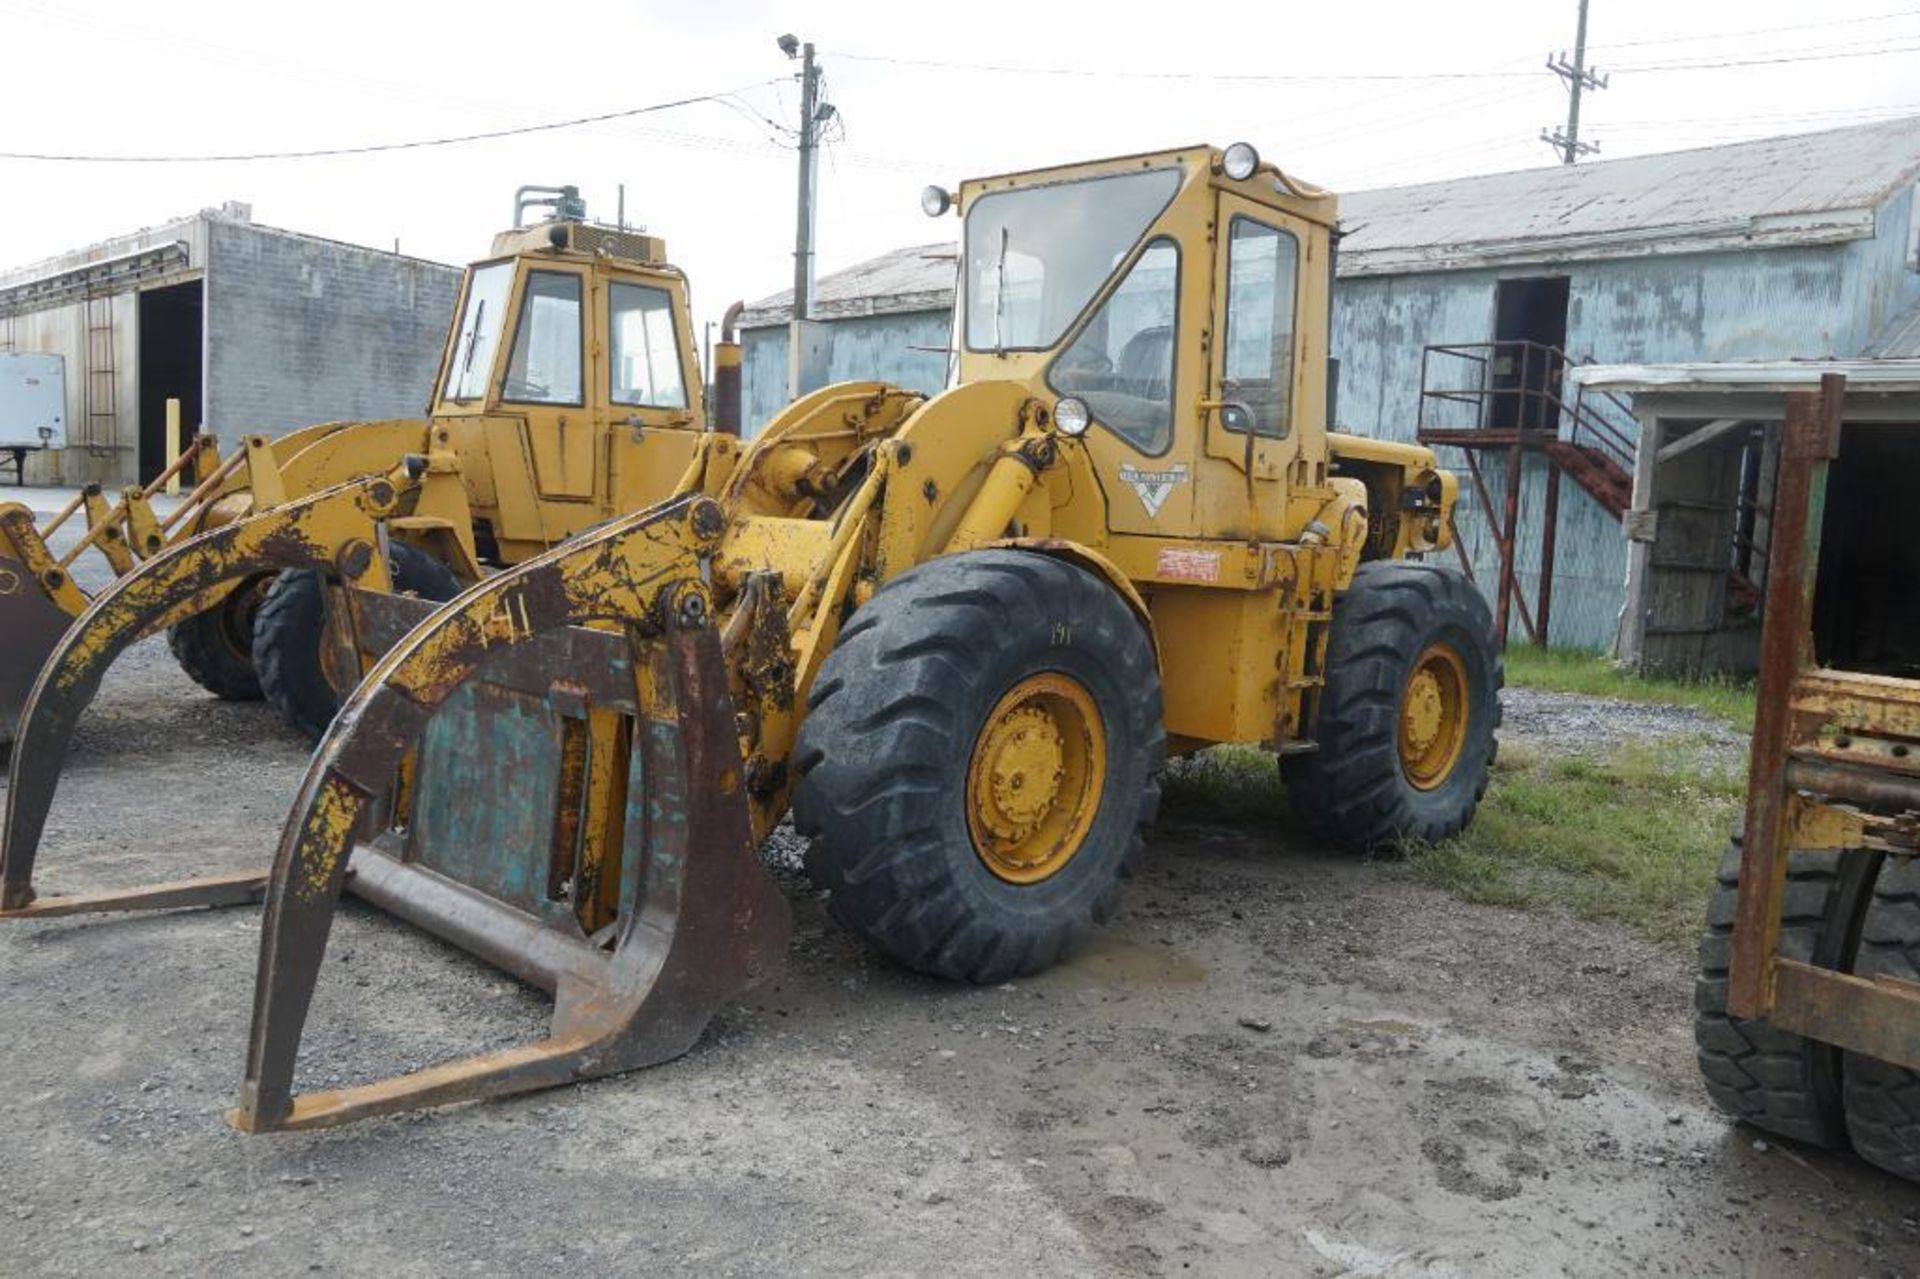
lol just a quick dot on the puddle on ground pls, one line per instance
(1115, 961)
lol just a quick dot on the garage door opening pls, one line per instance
(1866, 613)
(170, 338)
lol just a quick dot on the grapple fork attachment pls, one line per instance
(563, 801)
(334, 528)
(38, 601)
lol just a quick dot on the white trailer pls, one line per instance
(33, 406)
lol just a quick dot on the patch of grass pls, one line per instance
(1562, 670)
(1635, 838)
(1235, 783)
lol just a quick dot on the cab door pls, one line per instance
(1254, 429)
(651, 382)
(545, 380)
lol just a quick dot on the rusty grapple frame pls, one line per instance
(586, 691)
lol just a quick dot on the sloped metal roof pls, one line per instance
(917, 278)
(1808, 188)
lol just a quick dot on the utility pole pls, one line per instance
(1567, 141)
(812, 113)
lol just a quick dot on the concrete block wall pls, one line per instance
(303, 330)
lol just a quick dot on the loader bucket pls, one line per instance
(32, 619)
(545, 772)
(332, 528)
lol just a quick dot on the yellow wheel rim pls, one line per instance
(1433, 717)
(1035, 776)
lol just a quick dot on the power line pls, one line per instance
(1209, 76)
(1757, 31)
(372, 148)
(1881, 51)
(1215, 77)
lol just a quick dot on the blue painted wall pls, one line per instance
(1792, 303)
(907, 350)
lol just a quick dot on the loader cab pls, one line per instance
(569, 345)
(1176, 303)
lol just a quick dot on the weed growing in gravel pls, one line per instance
(1234, 783)
(1634, 838)
(1561, 670)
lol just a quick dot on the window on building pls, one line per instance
(1122, 362)
(1263, 269)
(545, 366)
(646, 355)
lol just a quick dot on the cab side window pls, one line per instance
(646, 353)
(1263, 271)
(545, 366)
(1122, 362)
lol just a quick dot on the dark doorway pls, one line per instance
(1530, 320)
(170, 332)
(1866, 604)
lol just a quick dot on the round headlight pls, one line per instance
(1240, 160)
(934, 201)
(1070, 416)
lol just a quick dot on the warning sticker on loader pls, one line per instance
(1153, 486)
(1187, 565)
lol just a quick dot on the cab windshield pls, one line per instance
(478, 337)
(1036, 256)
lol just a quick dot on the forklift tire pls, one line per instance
(1406, 725)
(1774, 1079)
(1883, 1100)
(980, 757)
(215, 648)
(288, 632)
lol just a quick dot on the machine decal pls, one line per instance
(1153, 486)
(1188, 565)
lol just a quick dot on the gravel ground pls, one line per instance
(1567, 724)
(1275, 1060)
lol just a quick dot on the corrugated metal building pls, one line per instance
(1783, 248)
(252, 328)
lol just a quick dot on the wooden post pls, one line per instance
(173, 447)
(1641, 528)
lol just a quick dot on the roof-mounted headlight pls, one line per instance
(934, 201)
(1239, 161)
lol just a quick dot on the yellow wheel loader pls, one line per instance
(955, 636)
(568, 392)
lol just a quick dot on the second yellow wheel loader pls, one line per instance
(568, 392)
(955, 635)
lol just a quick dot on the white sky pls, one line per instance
(717, 181)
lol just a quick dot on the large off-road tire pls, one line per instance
(1406, 724)
(981, 753)
(1883, 1100)
(288, 632)
(215, 648)
(1772, 1078)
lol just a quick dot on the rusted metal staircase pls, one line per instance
(1510, 397)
